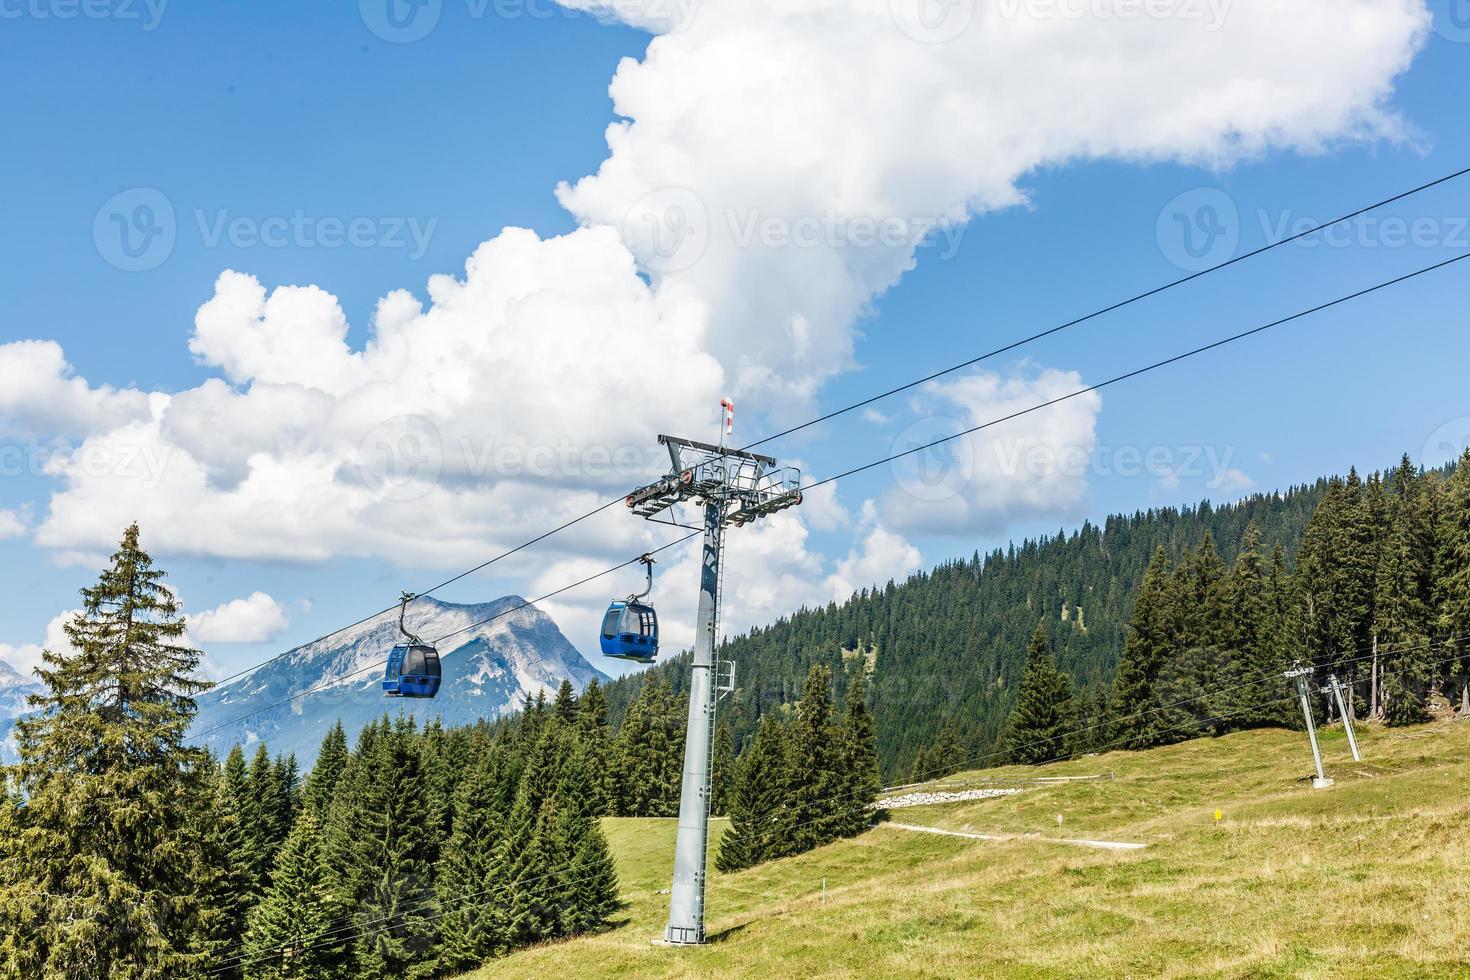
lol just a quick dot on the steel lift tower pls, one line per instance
(735, 487)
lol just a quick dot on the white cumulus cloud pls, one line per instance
(1032, 465)
(257, 618)
(26, 657)
(775, 167)
(782, 159)
(41, 396)
(13, 523)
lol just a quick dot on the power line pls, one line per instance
(1136, 298)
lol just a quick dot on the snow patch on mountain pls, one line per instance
(494, 655)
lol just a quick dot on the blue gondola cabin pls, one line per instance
(413, 672)
(630, 632)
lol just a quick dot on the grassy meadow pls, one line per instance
(1370, 878)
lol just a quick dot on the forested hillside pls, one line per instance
(127, 852)
(944, 650)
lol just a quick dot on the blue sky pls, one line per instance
(301, 113)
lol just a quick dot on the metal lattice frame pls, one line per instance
(750, 486)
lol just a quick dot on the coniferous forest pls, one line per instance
(1367, 578)
(421, 852)
(125, 852)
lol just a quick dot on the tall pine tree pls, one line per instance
(758, 800)
(103, 884)
(1146, 650)
(1037, 727)
(293, 935)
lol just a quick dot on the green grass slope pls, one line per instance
(1368, 878)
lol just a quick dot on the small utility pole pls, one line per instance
(1347, 719)
(735, 488)
(1300, 675)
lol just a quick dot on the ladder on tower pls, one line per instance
(724, 677)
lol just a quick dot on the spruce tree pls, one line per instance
(758, 800)
(648, 754)
(19, 955)
(331, 761)
(380, 851)
(531, 865)
(594, 879)
(945, 757)
(589, 886)
(1281, 598)
(1250, 671)
(440, 780)
(1337, 573)
(223, 875)
(722, 770)
(288, 777)
(593, 731)
(292, 934)
(812, 778)
(1403, 613)
(266, 814)
(1037, 725)
(535, 853)
(1453, 595)
(401, 848)
(1091, 726)
(1147, 647)
(857, 765)
(103, 884)
(474, 928)
(565, 706)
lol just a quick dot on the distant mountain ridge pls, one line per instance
(14, 686)
(489, 668)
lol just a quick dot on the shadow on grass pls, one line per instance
(725, 934)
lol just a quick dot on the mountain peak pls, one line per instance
(10, 677)
(494, 654)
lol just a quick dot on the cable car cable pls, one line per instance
(1113, 307)
(1145, 370)
(901, 388)
(1026, 411)
(380, 663)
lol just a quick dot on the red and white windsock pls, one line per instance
(729, 407)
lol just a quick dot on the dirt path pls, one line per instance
(1105, 845)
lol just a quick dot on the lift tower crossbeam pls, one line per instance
(735, 488)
